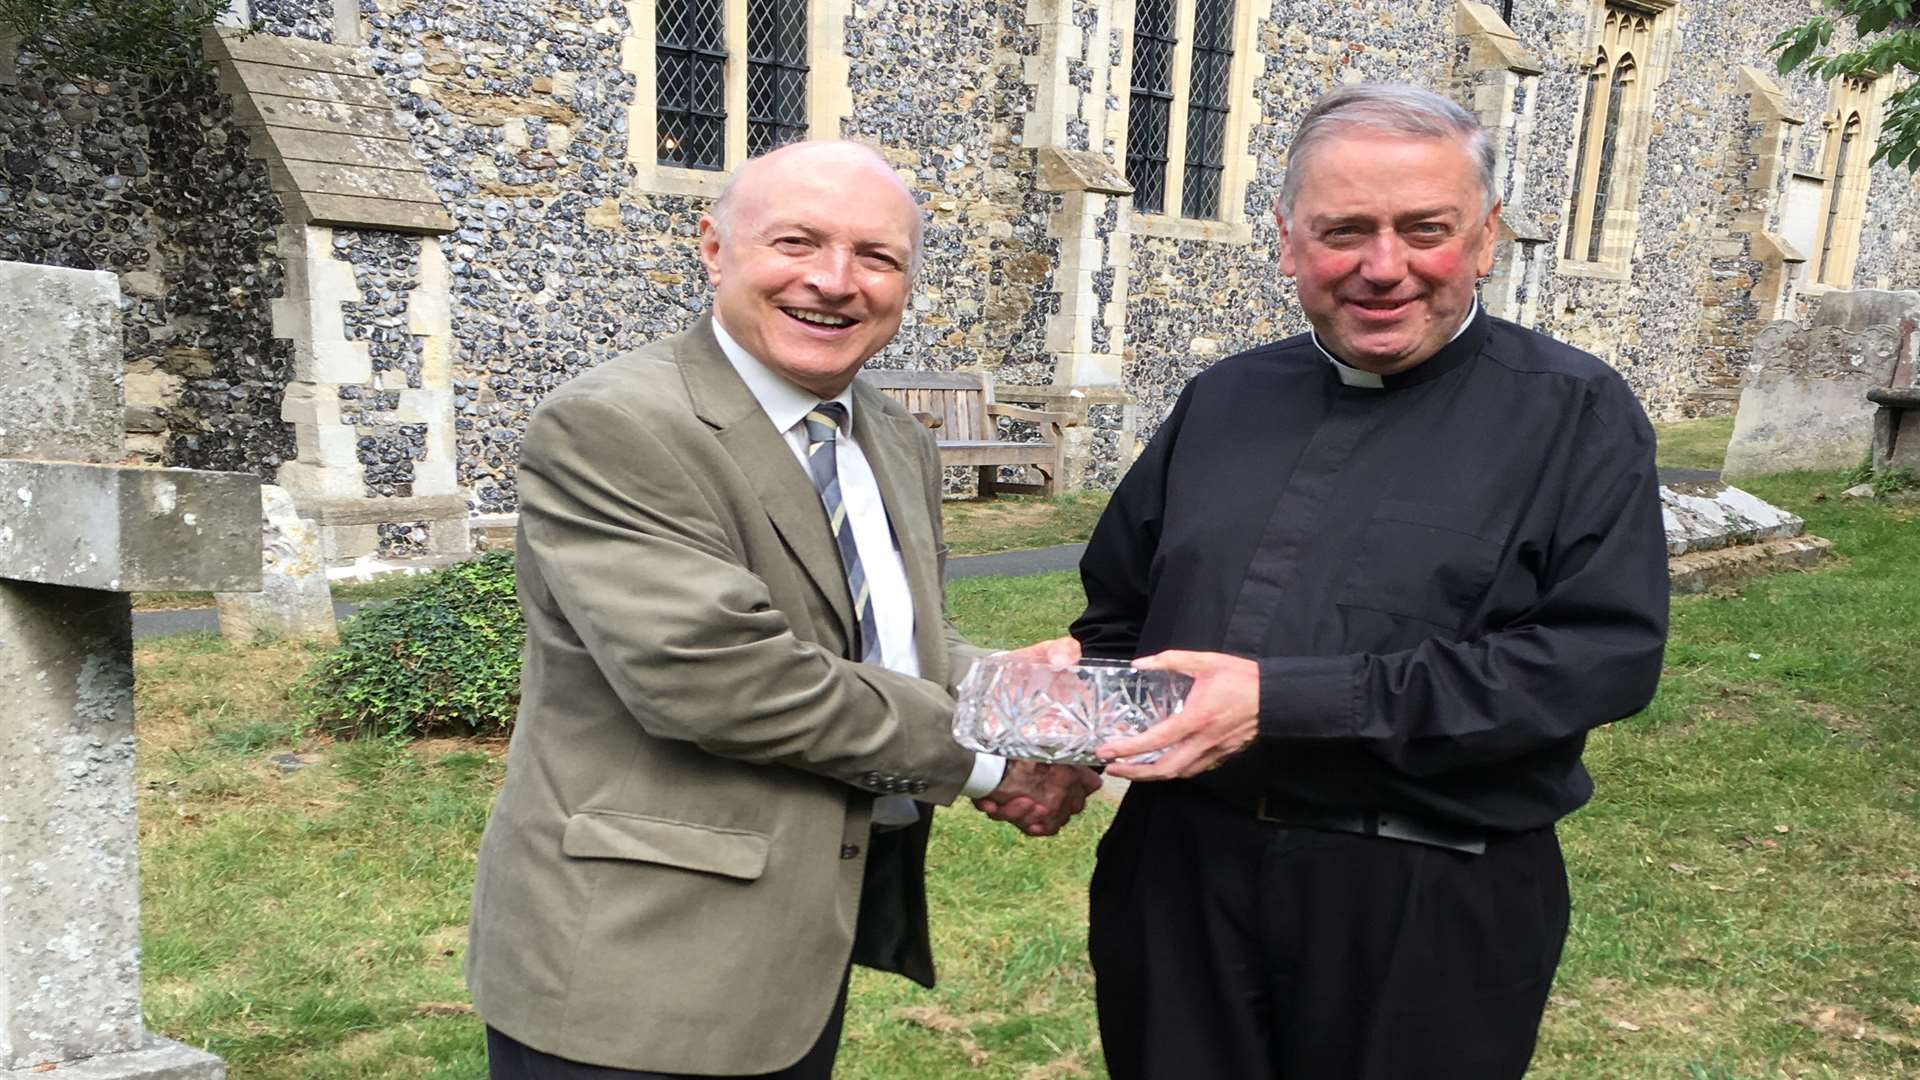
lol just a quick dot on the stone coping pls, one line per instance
(124, 529)
(358, 511)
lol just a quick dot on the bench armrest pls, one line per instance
(1033, 416)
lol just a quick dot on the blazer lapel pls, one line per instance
(740, 424)
(888, 443)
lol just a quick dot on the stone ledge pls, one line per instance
(126, 529)
(358, 511)
(158, 1059)
(1698, 571)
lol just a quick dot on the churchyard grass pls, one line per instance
(1746, 882)
(1693, 444)
(1007, 522)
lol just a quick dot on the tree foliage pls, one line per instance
(1886, 43)
(111, 39)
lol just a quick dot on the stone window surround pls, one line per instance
(1619, 233)
(1232, 226)
(1501, 84)
(1847, 96)
(1775, 129)
(829, 98)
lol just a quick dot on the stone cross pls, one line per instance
(77, 534)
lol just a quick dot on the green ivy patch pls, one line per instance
(441, 659)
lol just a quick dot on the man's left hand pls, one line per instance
(1221, 717)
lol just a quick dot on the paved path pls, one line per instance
(148, 624)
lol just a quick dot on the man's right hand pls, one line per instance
(1038, 798)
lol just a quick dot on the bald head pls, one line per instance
(811, 251)
(764, 176)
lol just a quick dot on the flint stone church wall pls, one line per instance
(559, 260)
(152, 181)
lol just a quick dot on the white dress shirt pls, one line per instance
(787, 406)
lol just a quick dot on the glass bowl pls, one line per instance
(1029, 710)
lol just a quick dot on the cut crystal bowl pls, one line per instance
(1030, 710)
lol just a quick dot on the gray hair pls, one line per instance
(723, 206)
(1390, 109)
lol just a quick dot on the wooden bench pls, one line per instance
(960, 408)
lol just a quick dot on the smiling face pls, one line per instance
(1388, 238)
(812, 267)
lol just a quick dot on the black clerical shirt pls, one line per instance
(1446, 580)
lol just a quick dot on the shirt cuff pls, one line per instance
(1310, 697)
(988, 769)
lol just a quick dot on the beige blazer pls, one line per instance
(673, 875)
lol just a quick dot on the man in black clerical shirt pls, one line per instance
(1411, 559)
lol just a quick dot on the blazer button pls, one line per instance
(849, 851)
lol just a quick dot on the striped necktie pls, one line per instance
(823, 430)
(824, 425)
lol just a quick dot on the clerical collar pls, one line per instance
(1449, 357)
(784, 403)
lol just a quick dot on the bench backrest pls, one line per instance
(958, 398)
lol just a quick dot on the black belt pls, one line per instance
(1389, 824)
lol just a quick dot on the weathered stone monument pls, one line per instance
(1896, 423)
(1805, 402)
(77, 534)
(1718, 534)
(294, 600)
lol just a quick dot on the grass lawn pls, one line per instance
(1746, 882)
(1007, 522)
(1694, 444)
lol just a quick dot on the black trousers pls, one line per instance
(1226, 948)
(510, 1059)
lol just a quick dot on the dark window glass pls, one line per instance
(1603, 175)
(690, 49)
(1580, 156)
(1207, 108)
(1150, 104)
(776, 73)
(1840, 163)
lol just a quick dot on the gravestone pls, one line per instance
(1804, 403)
(1718, 534)
(76, 536)
(294, 600)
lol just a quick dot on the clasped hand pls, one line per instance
(1037, 798)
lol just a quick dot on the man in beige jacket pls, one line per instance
(730, 562)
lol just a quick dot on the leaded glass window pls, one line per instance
(1839, 189)
(1150, 104)
(1609, 144)
(1207, 104)
(776, 73)
(690, 50)
(1594, 80)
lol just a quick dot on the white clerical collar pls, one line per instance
(784, 403)
(1353, 376)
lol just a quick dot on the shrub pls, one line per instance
(442, 658)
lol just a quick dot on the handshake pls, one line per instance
(1038, 798)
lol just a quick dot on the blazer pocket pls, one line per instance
(1422, 561)
(605, 834)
